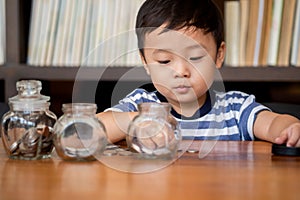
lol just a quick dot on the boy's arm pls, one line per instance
(277, 128)
(116, 123)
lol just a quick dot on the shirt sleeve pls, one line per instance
(248, 113)
(131, 101)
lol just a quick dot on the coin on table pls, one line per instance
(112, 147)
(109, 153)
(192, 151)
(125, 153)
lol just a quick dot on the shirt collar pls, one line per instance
(205, 108)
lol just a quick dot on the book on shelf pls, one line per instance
(49, 7)
(252, 32)
(70, 35)
(80, 20)
(34, 30)
(275, 32)
(2, 32)
(266, 31)
(103, 31)
(86, 33)
(232, 32)
(295, 48)
(41, 35)
(50, 48)
(66, 33)
(286, 32)
(133, 58)
(244, 18)
(60, 26)
(123, 30)
(108, 49)
(259, 32)
(95, 21)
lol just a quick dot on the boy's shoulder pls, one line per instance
(140, 92)
(142, 95)
(236, 101)
(232, 97)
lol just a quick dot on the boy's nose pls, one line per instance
(181, 69)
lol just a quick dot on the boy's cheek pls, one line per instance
(155, 69)
(206, 70)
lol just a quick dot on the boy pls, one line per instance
(181, 45)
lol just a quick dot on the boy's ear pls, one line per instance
(145, 64)
(221, 55)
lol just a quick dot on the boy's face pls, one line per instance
(182, 64)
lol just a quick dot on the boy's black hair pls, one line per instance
(176, 14)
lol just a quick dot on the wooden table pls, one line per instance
(233, 170)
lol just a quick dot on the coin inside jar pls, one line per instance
(32, 142)
(78, 141)
(26, 132)
(78, 134)
(14, 146)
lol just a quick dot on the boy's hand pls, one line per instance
(290, 136)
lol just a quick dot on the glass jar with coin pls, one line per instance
(154, 132)
(27, 128)
(79, 135)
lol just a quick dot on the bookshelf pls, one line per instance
(15, 68)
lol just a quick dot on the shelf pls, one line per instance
(241, 74)
(72, 73)
(11, 73)
(261, 74)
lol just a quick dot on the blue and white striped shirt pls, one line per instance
(224, 116)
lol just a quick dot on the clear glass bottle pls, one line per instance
(27, 128)
(79, 135)
(154, 132)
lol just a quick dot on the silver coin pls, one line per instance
(109, 153)
(14, 146)
(125, 153)
(192, 151)
(119, 149)
(112, 147)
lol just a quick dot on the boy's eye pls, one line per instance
(196, 58)
(163, 61)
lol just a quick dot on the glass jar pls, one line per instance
(27, 128)
(79, 135)
(154, 132)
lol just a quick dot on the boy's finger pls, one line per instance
(293, 138)
(282, 138)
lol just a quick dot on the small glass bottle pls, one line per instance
(27, 127)
(154, 132)
(79, 135)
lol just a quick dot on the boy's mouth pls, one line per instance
(182, 89)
